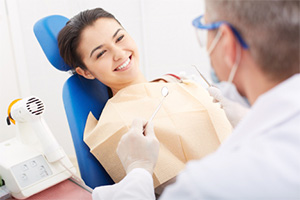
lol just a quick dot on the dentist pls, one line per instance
(254, 46)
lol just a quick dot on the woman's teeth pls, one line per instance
(124, 65)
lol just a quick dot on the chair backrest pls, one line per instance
(80, 96)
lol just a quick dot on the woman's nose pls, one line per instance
(119, 53)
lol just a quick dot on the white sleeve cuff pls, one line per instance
(138, 184)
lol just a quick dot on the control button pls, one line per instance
(24, 176)
(42, 168)
(44, 173)
(33, 163)
(24, 167)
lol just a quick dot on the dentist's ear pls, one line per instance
(85, 73)
(229, 44)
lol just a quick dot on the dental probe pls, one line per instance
(202, 76)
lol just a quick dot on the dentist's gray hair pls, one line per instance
(270, 28)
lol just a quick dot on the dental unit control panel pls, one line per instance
(33, 160)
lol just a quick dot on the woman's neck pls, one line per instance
(140, 79)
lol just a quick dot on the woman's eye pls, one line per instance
(101, 53)
(120, 38)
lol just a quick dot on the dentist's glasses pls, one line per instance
(202, 29)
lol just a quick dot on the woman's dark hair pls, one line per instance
(69, 37)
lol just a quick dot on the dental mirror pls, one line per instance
(164, 93)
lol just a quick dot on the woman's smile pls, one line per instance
(124, 66)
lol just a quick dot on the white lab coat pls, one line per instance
(260, 160)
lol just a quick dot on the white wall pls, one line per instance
(161, 28)
(9, 89)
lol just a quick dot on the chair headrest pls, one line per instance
(46, 31)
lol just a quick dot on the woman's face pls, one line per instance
(109, 53)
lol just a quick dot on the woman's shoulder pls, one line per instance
(168, 78)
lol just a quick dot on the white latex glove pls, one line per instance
(137, 150)
(234, 111)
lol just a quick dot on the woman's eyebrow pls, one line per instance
(100, 46)
(116, 32)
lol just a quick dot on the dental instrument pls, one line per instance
(164, 93)
(209, 85)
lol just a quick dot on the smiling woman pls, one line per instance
(96, 45)
(114, 60)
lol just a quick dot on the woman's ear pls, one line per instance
(229, 45)
(85, 73)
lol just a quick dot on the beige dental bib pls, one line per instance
(188, 125)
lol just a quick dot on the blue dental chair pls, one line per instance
(80, 96)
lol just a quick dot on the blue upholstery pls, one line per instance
(46, 31)
(80, 96)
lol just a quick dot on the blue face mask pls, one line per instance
(229, 91)
(227, 88)
(213, 76)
